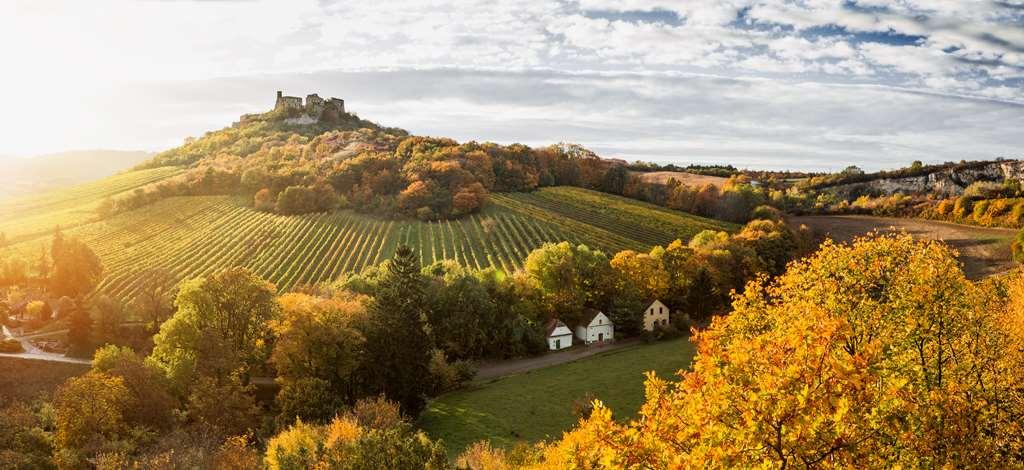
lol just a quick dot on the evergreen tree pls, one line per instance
(79, 331)
(397, 337)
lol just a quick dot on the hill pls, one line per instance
(189, 236)
(32, 216)
(22, 176)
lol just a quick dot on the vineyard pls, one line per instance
(34, 215)
(188, 237)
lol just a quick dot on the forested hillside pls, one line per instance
(293, 169)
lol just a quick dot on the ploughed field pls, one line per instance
(984, 251)
(192, 236)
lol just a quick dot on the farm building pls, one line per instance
(559, 335)
(595, 328)
(655, 315)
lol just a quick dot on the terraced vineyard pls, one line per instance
(33, 215)
(193, 236)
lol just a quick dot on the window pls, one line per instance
(661, 309)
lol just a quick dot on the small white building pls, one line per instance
(656, 314)
(559, 335)
(595, 328)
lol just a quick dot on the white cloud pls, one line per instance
(97, 63)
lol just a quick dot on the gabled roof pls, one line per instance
(553, 325)
(652, 301)
(589, 315)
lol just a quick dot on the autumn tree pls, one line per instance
(640, 278)
(875, 354)
(154, 300)
(397, 341)
(317, 352)
(108, 314)
(571, 278)
(89, 416)
(80, 324)
(220, 328)
(76, 269)
(351, 441)
(150, 403)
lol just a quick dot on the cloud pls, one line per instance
(750, 80)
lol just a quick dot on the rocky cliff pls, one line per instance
(945, 182)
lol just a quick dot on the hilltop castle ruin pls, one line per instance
(314, 107)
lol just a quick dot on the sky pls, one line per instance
(812, 84)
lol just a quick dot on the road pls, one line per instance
(519, 366)
(32, 352)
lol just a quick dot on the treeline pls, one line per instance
(983, 203)
(853, 174)
(724, 171)
(295, 170)
(734, 201)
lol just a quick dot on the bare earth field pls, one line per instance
(689, 179)
(984, 251)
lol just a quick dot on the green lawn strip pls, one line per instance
(538, 405)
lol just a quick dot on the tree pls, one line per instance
(76, 269)
(352, 442)
(316, 355)
(109, 314)
(79, 330)
(263, 200)
(397, 341)
(220, 328)
(571, 278)
(153, 301)
(150, 402)
(222, 406)
(876, 354)
(89, 414)
(615, 179)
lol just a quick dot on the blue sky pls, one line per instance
(758, 83)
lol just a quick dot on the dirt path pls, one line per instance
(984, 251)
(519, 366)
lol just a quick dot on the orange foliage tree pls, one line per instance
(875, 354)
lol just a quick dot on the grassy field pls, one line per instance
(193, 236)
(539, 404)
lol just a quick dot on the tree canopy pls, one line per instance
(875, 354)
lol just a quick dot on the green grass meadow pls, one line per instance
(538, 405)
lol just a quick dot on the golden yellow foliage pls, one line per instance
(875, 354)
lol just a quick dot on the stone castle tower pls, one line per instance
(314, 106)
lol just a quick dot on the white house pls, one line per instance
(559, 335)
(655, 315)
(595, 328)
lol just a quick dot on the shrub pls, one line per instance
(766, 212)
(11, 346)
